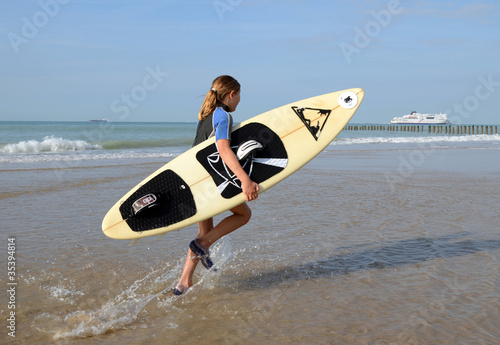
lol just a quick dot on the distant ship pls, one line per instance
(422, 119)
(98, 120)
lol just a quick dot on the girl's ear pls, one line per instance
(231, 94)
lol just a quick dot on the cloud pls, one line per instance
(475, 11)
(447, 42)
(485, 13)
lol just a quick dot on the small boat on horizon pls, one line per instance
(421, 119)
(98, 120)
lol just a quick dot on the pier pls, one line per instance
(438, 129)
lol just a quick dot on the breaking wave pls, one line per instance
(49, 144)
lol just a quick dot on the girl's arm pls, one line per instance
(249, 187)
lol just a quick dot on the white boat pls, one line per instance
(98, 120)
(422, 119)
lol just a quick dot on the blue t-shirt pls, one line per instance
(219, 123)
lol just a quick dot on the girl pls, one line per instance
(214, 119)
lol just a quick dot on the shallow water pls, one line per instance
(355, 248)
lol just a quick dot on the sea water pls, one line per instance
(384, 238)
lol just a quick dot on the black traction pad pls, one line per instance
(174, 203)
(263, 165)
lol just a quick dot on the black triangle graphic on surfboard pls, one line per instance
(313, 118)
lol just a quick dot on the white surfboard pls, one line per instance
(197, 185)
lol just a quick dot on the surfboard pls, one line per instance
(198, 185)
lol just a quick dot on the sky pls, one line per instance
(136, 60)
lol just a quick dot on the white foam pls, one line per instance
(64, 295)
(117, 313)
(420, 139)
(49, 144)
(82, 156)
(54, 149)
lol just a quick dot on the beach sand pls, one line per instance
(358, 247)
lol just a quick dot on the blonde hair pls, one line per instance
(221, 87)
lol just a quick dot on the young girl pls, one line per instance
(214, 119)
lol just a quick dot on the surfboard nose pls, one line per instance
(360, 93)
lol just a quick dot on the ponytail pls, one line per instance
(209, 105)
(221, 87)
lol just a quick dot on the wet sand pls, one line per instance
(355, 248)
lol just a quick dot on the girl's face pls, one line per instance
(232, 100)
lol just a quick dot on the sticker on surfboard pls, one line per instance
(313, 118)
(348, 100)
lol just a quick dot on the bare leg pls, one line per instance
(241, 215)
(192, 260)
(209, 235)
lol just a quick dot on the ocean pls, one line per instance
(387, 237)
